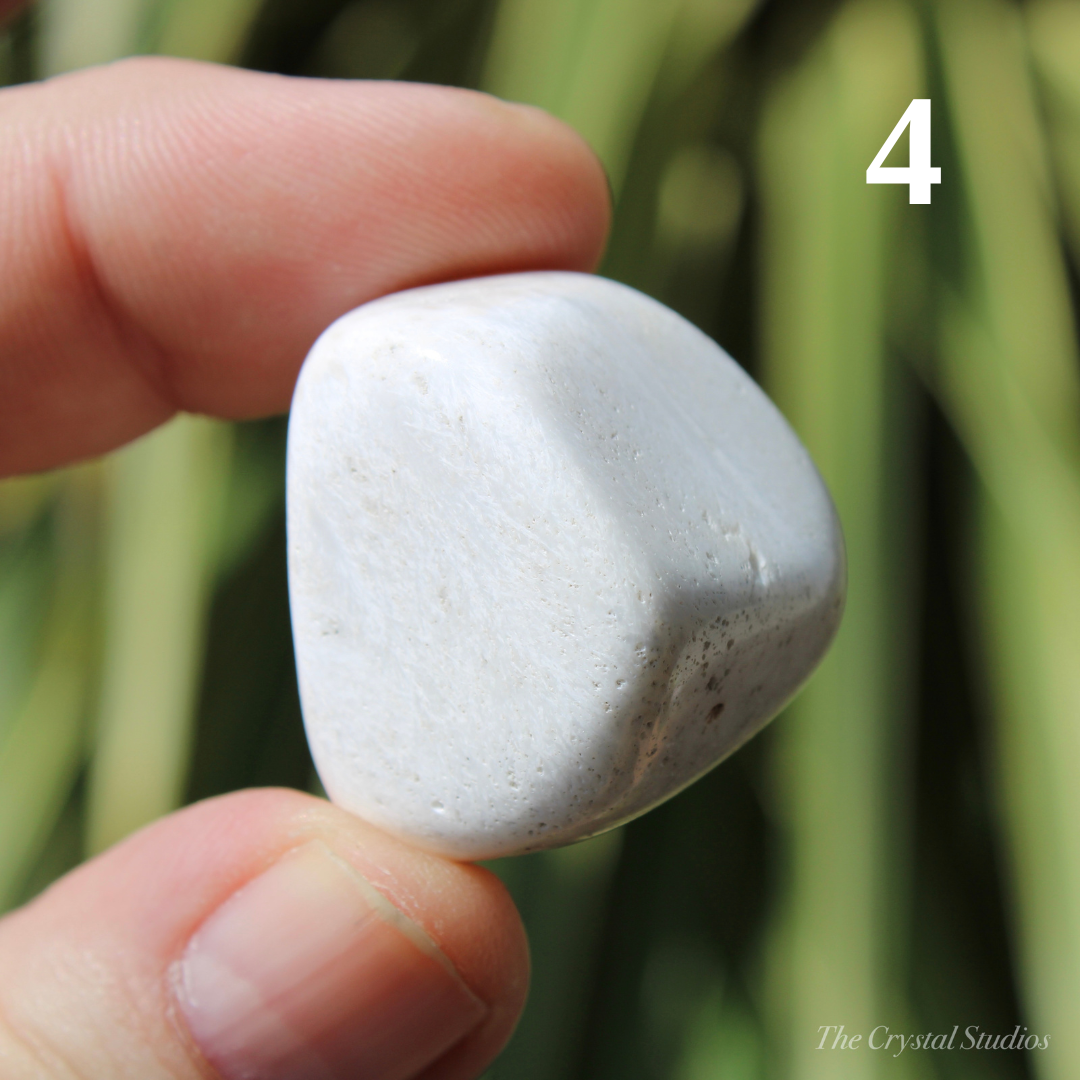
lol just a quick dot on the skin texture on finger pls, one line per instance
(175, 235)
(87, 989)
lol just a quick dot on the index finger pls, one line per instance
(175, 235)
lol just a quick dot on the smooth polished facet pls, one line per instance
(552, 556)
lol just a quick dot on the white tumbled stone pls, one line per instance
(552, 555)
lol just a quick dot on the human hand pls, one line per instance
(174, 236)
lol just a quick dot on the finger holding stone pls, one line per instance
(262, 934)
(174, 235)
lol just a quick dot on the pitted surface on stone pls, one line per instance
(552, 555)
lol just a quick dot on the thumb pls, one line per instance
(265, 935)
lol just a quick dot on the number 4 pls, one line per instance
(918, 175)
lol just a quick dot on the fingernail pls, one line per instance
(309, 973)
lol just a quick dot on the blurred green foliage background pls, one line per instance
(902, 846)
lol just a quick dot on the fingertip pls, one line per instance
(180, 233)
(589, 197)
(285, 933)
(307, 969)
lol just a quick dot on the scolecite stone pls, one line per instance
(552, 555)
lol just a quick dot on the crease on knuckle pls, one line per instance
(147, 359)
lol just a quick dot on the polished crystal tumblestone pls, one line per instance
(552, 555)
